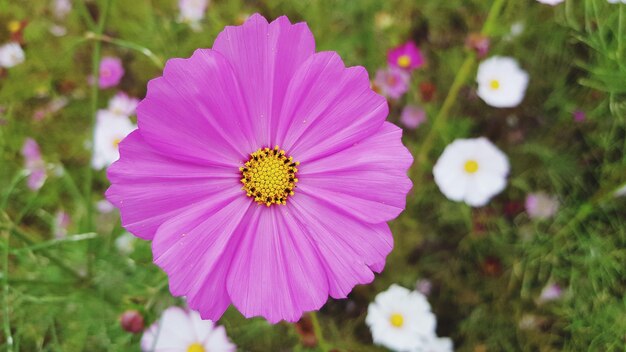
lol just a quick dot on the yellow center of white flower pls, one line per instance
(116, 142)
(195, 347)
(14, 26)
(494, 84)
(396, 320)
(471, 166)
(404, 61)
(269, 176)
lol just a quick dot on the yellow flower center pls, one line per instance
(396, 320)
(14, 26)
(471, 166)
(116, 142)
(404, 61)
(494, 84)
(195, 347)
(269, 176)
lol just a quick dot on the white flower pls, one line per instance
(192, 11)
(123, 105)
(400, 319)
(551, 2)
(109, 132)
(471, 170)
(181, 330)
(61, 8)
(125, 243)
(11, 54)
(437, 344)
(617, 1)
(501, 82)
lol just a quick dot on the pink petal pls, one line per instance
(265, 56)
(195, 249)
(368, 180)
(328, 107)
(150, 188)
(349, 248)
(195, 111)
(276, 272)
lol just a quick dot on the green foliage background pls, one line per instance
(487, 265)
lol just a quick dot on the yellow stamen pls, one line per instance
(494, 84)
(195, 347)
(396, 320)
(471, 166)
(14, 26)
(116, 142)
(269, 176)
(404, 61)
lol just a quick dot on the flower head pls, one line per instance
(109, 131)
(401, 320)
(11, 54)
(181, 330)
(272, 192)
(406, 57)
(61, 8)
(472, 171)
(392, 82)
(550, 292)
(192, 11)
(123, 105)
(541, 206)
(501, 82)
(111, 72)
(34, 164)
(62, 221)
(412, 116)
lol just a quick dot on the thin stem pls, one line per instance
(129, 45)
(5, 293)
(317, 329)
(95, 71)
(460, 79)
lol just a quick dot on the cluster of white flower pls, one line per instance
(112, 126)
(11, 54)
(401, 320)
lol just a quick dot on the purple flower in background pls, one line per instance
(62, 221)
(111, 72)
(412, 116)
(406, 56)
(424, 286)
(392, 82)
(539, 205)
(550, 293)
(34, 164)
(248, 192)
(579, 116)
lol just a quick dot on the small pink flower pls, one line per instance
(541, 206)
(392, 82)
(62, 221)
(550, 293)
(424, 286)
(111, 72)
(412, 116)
(34, 164)
(123, 105)
(406, 56)
(579, 116)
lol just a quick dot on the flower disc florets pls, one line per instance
(269, 176)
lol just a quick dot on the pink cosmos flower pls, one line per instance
(392, 82)
(34, 164)
(122, 104)
(62, 221)
(111, 72)
(412, 116)
(406, 56)
(541, 206)
(264, 173)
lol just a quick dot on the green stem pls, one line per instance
(129, 45)
(5, 293)
(460, 79)
(95, 71)
(317, 329)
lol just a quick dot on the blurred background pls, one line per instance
(503, 277)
